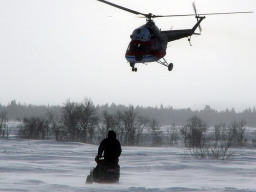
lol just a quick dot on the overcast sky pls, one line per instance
(54, 50)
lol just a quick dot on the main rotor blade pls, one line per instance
(194, 7)
(123, 8)
(155, 16)
(202, 14)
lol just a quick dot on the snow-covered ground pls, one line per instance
(40, 166)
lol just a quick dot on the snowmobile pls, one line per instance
(104, 172)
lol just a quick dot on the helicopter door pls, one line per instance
(152, 45)
(157, 45)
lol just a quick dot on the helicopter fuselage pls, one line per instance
(147, 44)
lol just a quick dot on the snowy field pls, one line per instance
(40, 166)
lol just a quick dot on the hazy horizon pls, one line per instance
(51, 51)
(217, 106)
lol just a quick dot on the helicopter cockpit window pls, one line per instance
(138, 47)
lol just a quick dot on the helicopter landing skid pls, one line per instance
(164, 63)
(134, 69)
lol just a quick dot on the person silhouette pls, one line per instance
(107, 169)
(110, 149)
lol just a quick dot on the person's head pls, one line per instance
(111, 134)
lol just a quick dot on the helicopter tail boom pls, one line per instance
(199, 20)
(173, 35)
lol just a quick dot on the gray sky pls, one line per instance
(54, 50)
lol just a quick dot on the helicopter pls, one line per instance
(148, 43)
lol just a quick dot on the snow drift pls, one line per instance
(29, 165)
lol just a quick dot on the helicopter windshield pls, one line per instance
(138, 46)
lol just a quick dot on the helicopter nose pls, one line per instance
(139, 57)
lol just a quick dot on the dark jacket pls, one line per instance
(111, 148)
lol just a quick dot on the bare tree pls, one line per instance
(129, 119)
(237, 133)
(184, 131)
(55, 125)
(142, 123)
(120, 129)
(155, 133)
(27, 130)
(173, 135)
(33, 128)
(216, 149)
(4, 132)
(70, 119)
(193, 132)
(88, 120)
(110, 122)
(133, 126)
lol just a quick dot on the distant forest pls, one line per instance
(164, 115)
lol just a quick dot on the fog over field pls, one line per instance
(51, 51)
(30, 165)
(57, 56)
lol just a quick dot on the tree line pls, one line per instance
(164, 115)
(85, 122)
(82, 122)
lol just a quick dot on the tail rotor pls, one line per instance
(197, 16)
